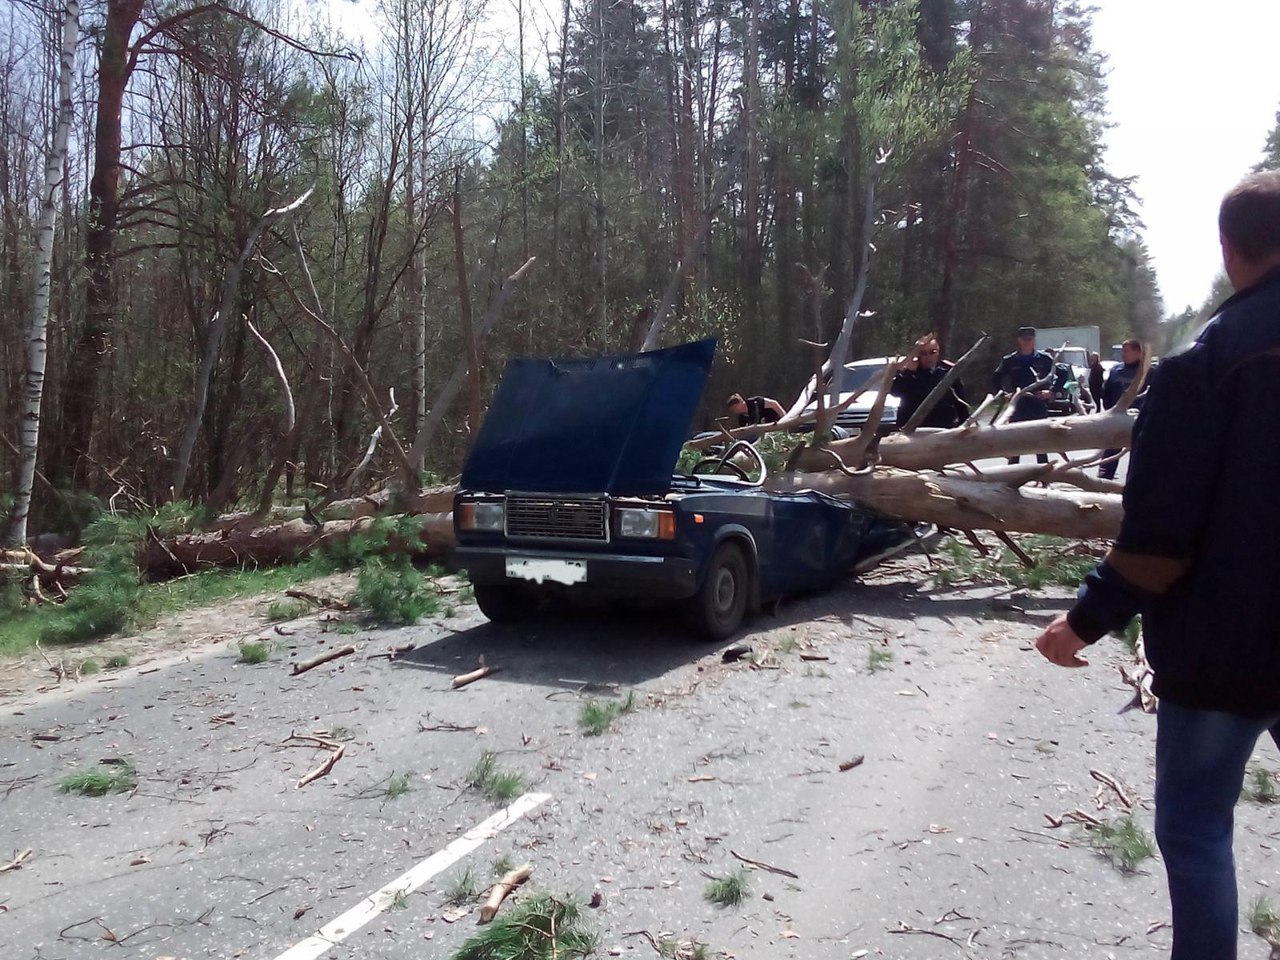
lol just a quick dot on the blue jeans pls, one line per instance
(1201, 757)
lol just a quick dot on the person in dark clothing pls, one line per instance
(1020, 369)
(1117, 383)
(753, 410)
(1097, 377)
(917, 375)
(1197, 557)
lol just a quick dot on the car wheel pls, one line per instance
(719, 606)
(505, 602)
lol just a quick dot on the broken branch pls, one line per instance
(502, 889)
(324, 768)
(323, 658)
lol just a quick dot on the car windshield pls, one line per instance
(1076, 356)
(861, 377)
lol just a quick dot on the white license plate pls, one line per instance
(540, 571)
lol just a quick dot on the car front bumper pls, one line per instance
(613, 574)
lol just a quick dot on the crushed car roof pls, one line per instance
(611, 424)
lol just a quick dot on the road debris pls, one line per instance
(482, 671)
(323, 658)
(324, 768)
(764, 866)
(16, 862)
(502, 889)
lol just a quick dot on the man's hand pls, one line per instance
(1059, 644)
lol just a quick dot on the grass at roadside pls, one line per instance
(20, 629)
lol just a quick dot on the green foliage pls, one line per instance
(1057, 561)
(878, 658)
(541, 927)
(502, 866)
(1131, 634)
(117, 661)
(486, 778)
(400, 900)
(135, 604)
(289, 609)
(381, 535)
(88, 668)
(99, 781)
(463, 888)
(683, 949)
(1264, 920)
(1122, 842)
(1260, 786)
(728, 891)
(595, 717)
(71, 511)
(392, 591)
(111, 598)
(399, 785)
(253, 652)
(101, 605)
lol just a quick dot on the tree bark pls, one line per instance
(474, 407)
(38, 344)
(88, 355)
(965, 504)
(283, 543)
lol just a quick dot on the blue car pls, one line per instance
(571, 491)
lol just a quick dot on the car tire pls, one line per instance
(505, 602)
(720, 604)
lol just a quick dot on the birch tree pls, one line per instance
(37, 353)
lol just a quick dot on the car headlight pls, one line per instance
(482, 516)
(646, 524)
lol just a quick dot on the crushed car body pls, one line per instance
(571, 491)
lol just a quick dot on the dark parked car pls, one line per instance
(570, 490)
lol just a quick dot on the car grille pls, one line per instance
(557, 519)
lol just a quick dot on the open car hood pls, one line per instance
(594, 425)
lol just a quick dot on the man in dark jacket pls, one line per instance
(1197, 557)
(753, 410)
(1097, 377)
(917, 375)
(1020, 369)
(1118, 382)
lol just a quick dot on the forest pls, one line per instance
(249, 254)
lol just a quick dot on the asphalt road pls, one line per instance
(935, 845)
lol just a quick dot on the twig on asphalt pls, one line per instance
(16, 862)
(764, 866)
(462, 679)
(324, 768)
(1114, 785)
(323, 658)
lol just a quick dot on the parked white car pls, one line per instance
(866, 376)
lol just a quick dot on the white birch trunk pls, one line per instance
(37, 352)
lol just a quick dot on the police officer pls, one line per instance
(1020, 369)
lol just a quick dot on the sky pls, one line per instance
(1193, 91)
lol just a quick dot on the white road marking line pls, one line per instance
(338, 930)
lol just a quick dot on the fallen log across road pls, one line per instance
(965, 503)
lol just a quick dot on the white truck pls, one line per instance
(1073, 344)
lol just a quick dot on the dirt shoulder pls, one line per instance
(174, 636)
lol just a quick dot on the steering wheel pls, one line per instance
(718, 465)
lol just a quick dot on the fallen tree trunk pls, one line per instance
(426, 500)
(969, 504)
(925, 451)
(282, 543)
